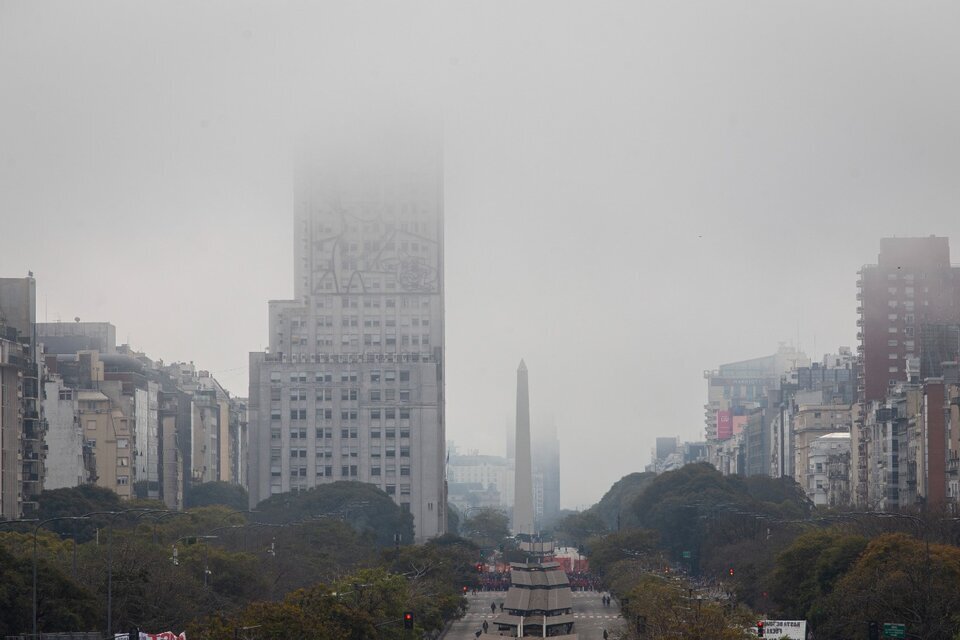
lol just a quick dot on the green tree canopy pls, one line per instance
(487, 527)
(362, 505)
(217, 493)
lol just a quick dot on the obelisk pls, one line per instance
(523, 469)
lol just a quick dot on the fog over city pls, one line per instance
(634, 192)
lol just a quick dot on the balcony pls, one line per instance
(859, 310)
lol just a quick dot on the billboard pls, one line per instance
(724, 425)
(793, 629)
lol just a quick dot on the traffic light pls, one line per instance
(479, 567)
(873, 630)
(731, 572)
(464, 589)
(408, 619)
(759, 627)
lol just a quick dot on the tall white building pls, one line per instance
(352, 386)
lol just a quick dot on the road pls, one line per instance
(590, 616)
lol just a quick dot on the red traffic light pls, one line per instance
(408, 620)
(464, 588)
(479, 567)
(731, 570)
(760, 628)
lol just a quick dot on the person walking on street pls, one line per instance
(485, 626)
(493, 607)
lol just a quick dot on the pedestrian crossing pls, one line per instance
(480, 616)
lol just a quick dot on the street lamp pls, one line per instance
(36, 530)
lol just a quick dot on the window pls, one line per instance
(375, 395)
(405, 491)
(123, 443)
(390, 376)
(91, 425)
(123, 462)
(390, 414)
(892, 369)
(391, 433)
(404, 451)
(374, 414)
(891, 343)
(405, 432)
(391, 453)
(891, 316)
(405, 375)
(275, 376)
(891, 329)
(404, 397)
(298, 414)
(375, 433)
(908, 331)
(374, 471)
(892, 356)
(375, 377)
(404, 470)
(123, 480)
(908, 319)
(391, 489)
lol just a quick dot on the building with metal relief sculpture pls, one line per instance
(352, 385)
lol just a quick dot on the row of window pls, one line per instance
(346, 395)
(390, 375)
(346, 415)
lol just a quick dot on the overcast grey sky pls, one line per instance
(635, 191)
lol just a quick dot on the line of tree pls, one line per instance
(215, 567)
(762, 542)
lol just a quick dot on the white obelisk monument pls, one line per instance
(523, 469)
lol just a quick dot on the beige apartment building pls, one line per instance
(809, 423)
(107, 432)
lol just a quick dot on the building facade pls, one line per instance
(352, 385)
(22, 424)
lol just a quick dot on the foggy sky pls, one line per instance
(635, 191)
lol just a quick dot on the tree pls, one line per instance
(666, 610)
(62, 604)
(225, 494)
(614, 547)
(577, 527)
(897, 578)
(614, 508)
(807, 571)
(488, 527)
(453, 520)
(362, 505)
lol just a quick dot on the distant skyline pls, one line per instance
(635, 192)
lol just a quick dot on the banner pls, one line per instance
(165, 635)
(793, 629)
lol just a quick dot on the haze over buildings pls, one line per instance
(674, 187)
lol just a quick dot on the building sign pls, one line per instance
(724, 425)
(793, 629)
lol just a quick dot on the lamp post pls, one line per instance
(36, 530)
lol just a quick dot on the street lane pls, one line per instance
(590, 616)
